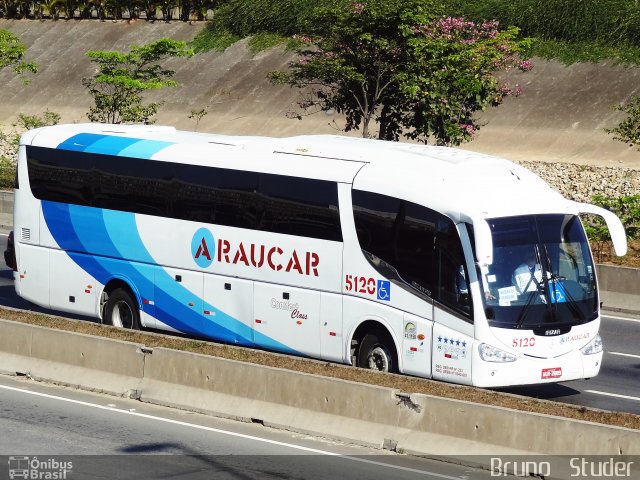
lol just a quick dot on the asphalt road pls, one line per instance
(104, 437)
(616, 388)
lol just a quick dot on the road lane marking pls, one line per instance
(616, 395)
(637, 320)
(625, 354)
(233, 434)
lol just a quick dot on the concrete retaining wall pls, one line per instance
(560, 116)
(333, 408)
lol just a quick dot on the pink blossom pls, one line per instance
(507, 91)
(303, 38)
(525, 65)
(468, 128)
(358, 7)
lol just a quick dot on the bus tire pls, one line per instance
(377, 352)
(121, 310)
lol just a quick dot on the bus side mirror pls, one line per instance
(616, 229)
(484, 241)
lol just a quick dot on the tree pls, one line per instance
(399, 63)
(198, 115)
(122, 77)
(12, 52)
(628, 130)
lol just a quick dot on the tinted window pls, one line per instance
(273, 203)
(217, 195)
(300, 206)
(397, 237)
(413, 246)
(452, 277)
(60, 176)
(133, 185)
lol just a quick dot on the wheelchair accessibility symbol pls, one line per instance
(384, 290)
(558, 293)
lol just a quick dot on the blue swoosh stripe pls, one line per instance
(58, 219)
(105, 235)
(113, 145)
(80, 142)
(115, 234)
(144, 148)
(110, 145)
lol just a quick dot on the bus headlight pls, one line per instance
(493, 354)
(594, 346)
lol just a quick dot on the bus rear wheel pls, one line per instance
(121, 310)
(376, 352)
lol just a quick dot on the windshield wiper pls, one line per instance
(532, 294)
(523, 313)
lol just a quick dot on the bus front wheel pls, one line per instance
(121, 310)
(376, 352)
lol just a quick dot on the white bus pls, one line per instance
(388, 256)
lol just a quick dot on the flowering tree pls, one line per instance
(399, 64)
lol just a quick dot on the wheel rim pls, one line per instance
(122, 316)
(378, 359)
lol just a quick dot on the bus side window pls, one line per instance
(399, 234)
(450, 268)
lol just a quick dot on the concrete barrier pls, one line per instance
(377, 416)
(619, 288)
(358, 413)
(94, 363)
(6, 209)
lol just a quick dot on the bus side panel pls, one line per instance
(72, 288)
(331, 333)
(191, 302)
(26, 208)
(288, 315)
(452, 354)
(229, 302)
(178, 299)
(238, 252)
(32, 279)
(416, 345)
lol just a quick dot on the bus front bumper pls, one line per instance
(531, 371)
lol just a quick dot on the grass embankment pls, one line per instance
(403, 383)
(567, 30)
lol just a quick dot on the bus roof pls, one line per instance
(456, 182)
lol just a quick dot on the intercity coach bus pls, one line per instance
(395, 257)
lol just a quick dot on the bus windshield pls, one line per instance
(542, 273)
